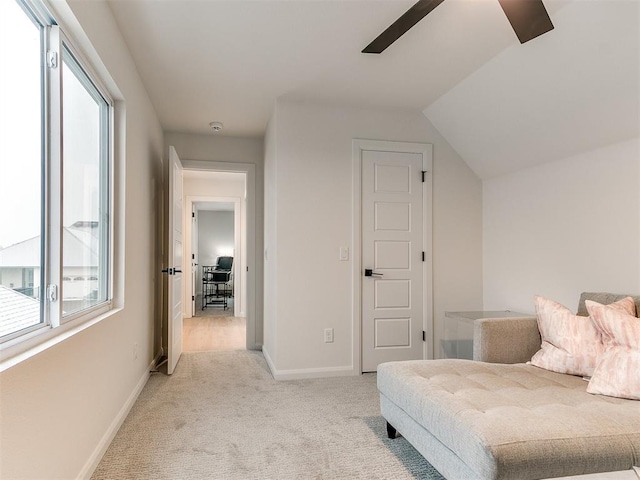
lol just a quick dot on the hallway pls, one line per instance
(216, 329)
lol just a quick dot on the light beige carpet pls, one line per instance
(222, 416)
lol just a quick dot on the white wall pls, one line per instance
(215, 237)
(60, 406)
(217, 148)
(563, 228)
(309, 205)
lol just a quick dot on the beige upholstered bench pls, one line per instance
(480, 420)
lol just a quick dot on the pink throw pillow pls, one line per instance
(617, 373)
(570, 344)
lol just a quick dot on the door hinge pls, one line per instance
(193, 214)
(193, 298)
(424, 174)
(424, 336)
(52, 59)
(423, 256)
(193, 256)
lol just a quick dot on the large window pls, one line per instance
(85, 215)
(55, 170)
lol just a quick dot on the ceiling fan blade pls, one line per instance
(528, 18)
(402, 25)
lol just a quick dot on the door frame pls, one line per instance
(426, 149)
(237, 241)
(251, 230)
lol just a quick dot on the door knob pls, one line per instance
(171, 270)
(368, 272)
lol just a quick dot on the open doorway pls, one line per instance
(215, 248)
(216, 245)
(217, 257)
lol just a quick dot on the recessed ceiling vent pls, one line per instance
(216, 126)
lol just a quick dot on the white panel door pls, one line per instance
(174, 297)
(392, 259)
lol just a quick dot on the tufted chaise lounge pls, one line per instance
(481, 420)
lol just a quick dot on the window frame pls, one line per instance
(107, 129)
(54, 327)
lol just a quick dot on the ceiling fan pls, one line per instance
(528, 18)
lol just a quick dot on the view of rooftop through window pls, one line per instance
(77, 203)
(21, 212)
(84, 239)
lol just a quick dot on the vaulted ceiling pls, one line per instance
(500, 104)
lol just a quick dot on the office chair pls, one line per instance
(224, 263)
(215, 282)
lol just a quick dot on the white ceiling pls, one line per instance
(229, 60)
(574, 90)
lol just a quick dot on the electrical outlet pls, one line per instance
(328, 335)
(135, 351)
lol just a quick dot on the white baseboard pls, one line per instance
(107, 438)
(302, 373)
(267, 357)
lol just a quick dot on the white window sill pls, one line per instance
(46, 337)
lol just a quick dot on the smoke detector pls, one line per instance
(216, 126)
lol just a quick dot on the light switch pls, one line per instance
(344, 254)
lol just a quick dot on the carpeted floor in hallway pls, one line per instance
(221, 415)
